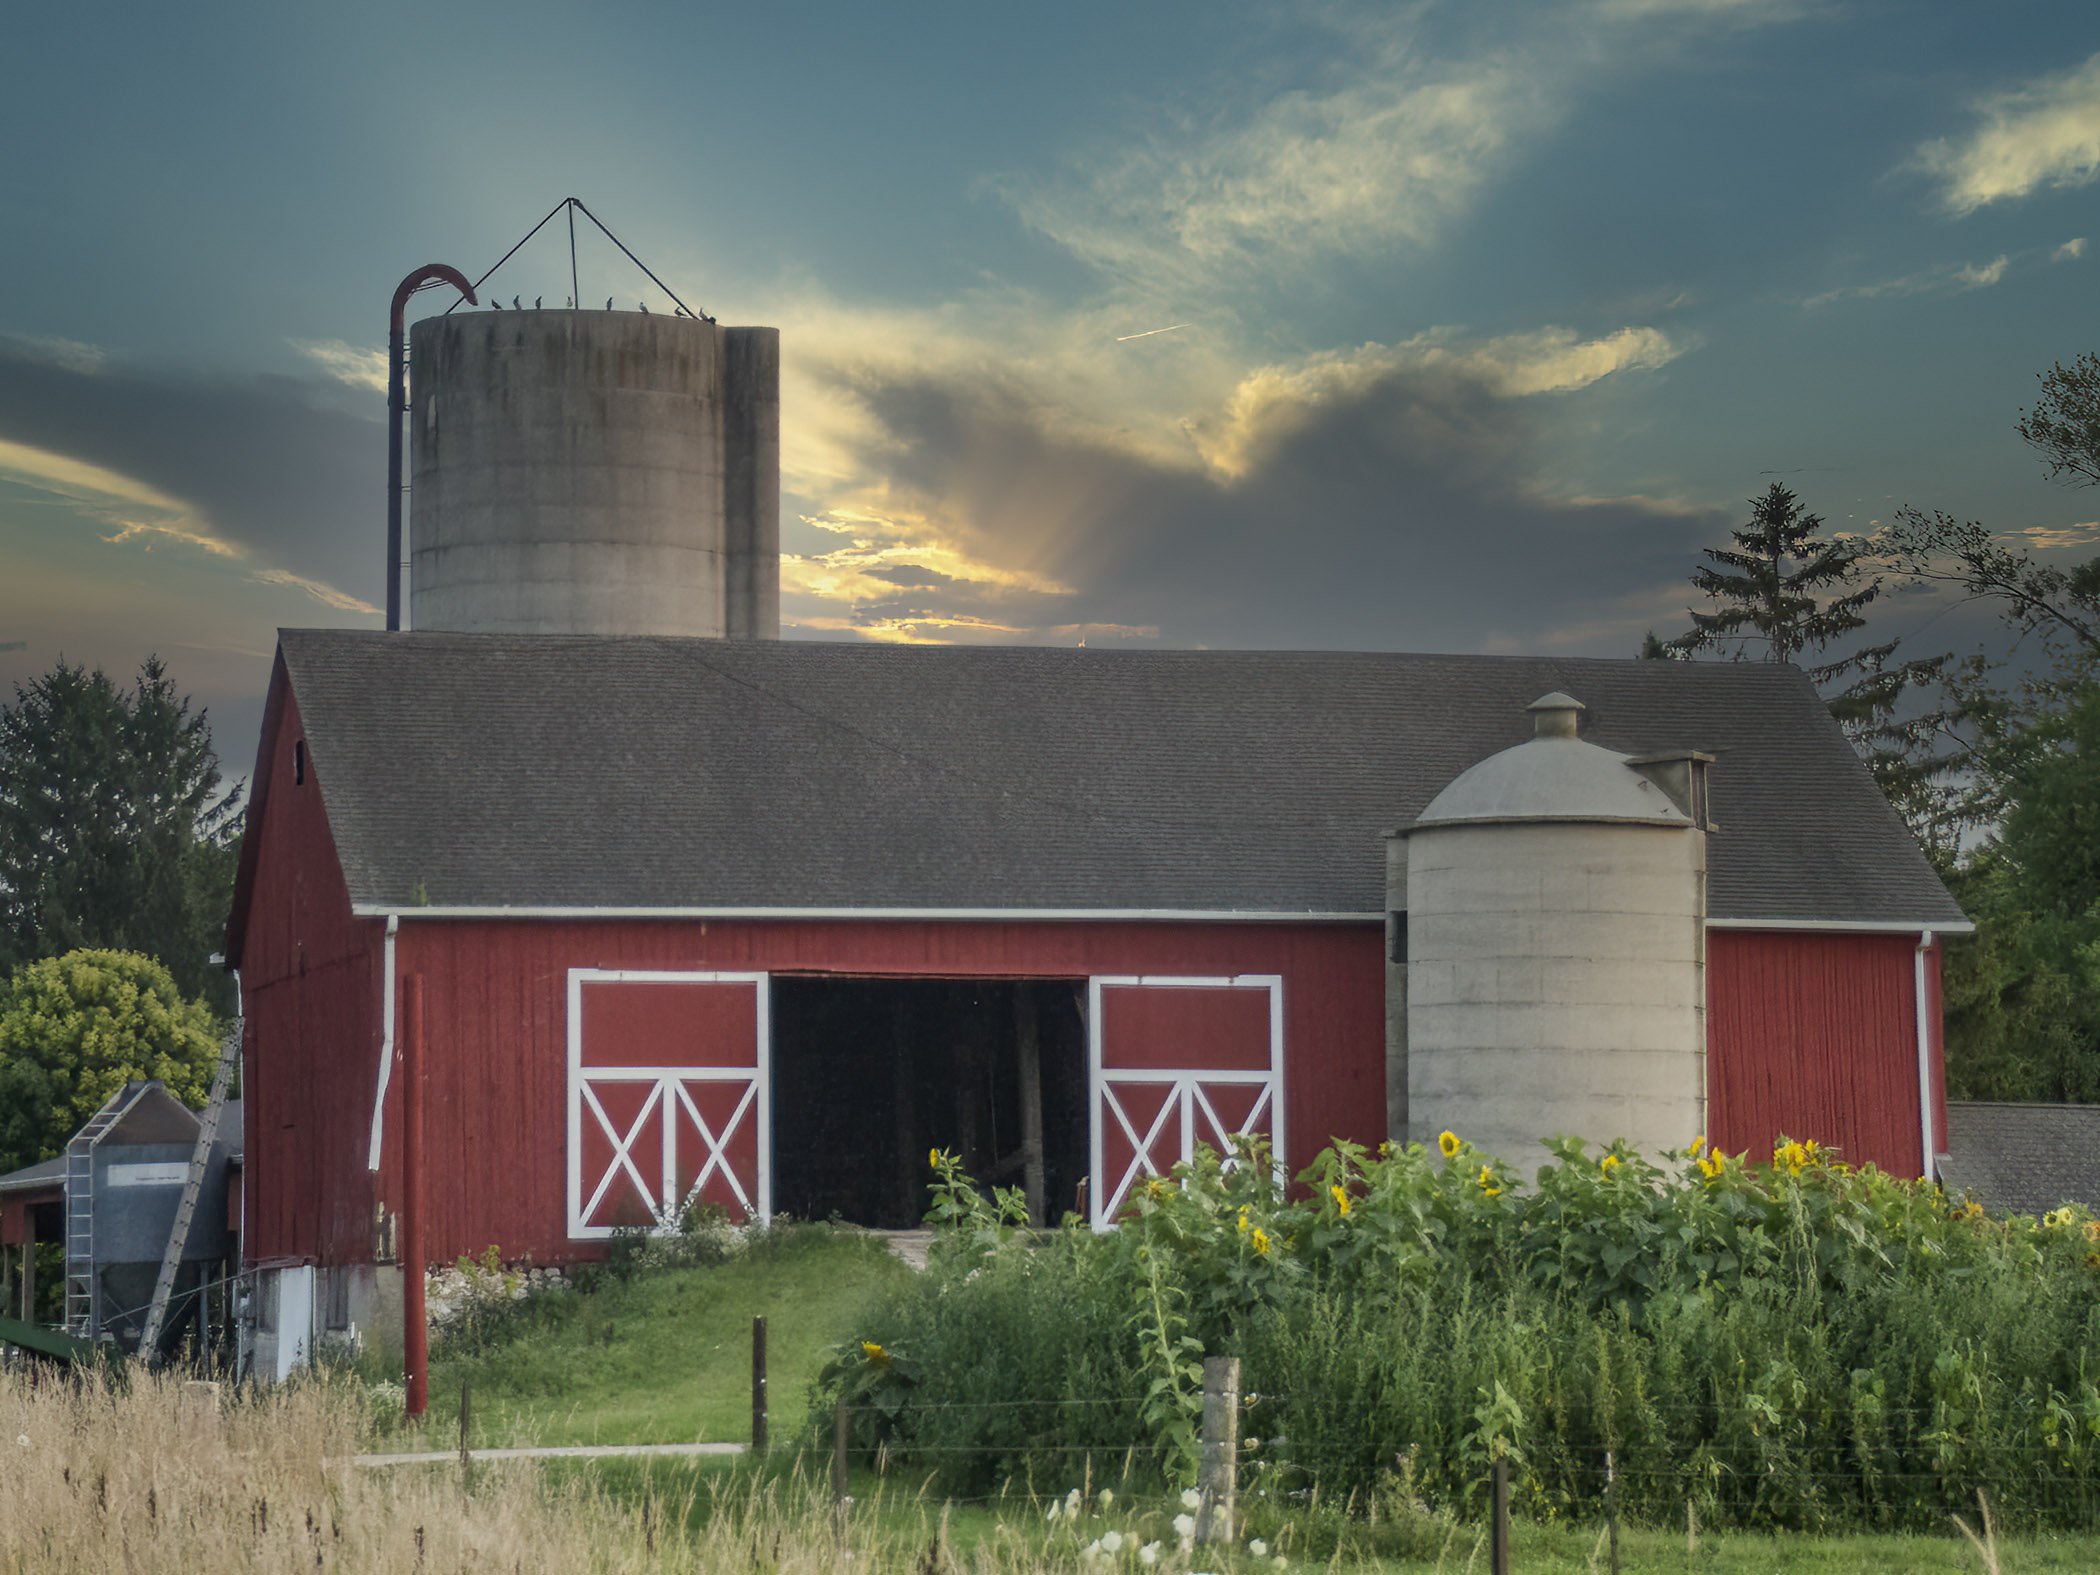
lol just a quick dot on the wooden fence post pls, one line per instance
(758, 1385)
(1611, 1507)
(838, 1467)
(1498, 1519)
(1218, 1475)
(466, 1417)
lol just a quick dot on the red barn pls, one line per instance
(758, 923)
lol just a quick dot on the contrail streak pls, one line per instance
(1124, 339)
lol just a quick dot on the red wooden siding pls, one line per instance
(496, 1001)
(1814, 1035)
(310, 978)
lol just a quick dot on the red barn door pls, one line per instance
(668, 1097)
(1174, 1063)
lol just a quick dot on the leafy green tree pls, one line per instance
(1786, 592)
(75, 1029)
(114, 830)
(2023, 998)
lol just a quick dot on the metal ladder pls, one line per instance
(83, 1287)
(192, 1188)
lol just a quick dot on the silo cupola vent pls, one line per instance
(1557, 714)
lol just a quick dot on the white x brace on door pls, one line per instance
(1175, 1062)
(669, 1098)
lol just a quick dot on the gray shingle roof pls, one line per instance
(2023, 1159)
(494, 770)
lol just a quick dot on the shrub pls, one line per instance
(1789, 1345)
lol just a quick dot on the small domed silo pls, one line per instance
(582, 472)
(1556, 907)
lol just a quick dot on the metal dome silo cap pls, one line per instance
(1553, 776)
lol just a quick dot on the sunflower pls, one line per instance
(1261, 1242)
(1608, 1163)
(874, 1352)
(1342, 1201)
(1447, 1144)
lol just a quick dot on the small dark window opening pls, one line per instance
(299, 764)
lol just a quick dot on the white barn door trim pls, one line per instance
(1186, 1102)
(667, 1100)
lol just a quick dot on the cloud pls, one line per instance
(2070, 251)
(352, 365)
(14, 645)
(260, 473)
(2056, 538)
(1946, 279)
(1374, 498)
(327, 595)
(1269, 403)
(70, 354)
(2043, 134)
(1382, 151)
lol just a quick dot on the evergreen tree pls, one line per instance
(1787, 593)
(114, 831)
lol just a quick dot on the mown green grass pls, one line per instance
(664, 1357)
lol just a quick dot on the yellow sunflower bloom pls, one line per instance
(875, 1353)
(1447, 1144)
(933, 1159)
(1608, 1163)
(1342, 1201)
(1243, 1219)
(1486, 1179)
(1261, 1242)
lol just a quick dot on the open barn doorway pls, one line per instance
(869, 1074)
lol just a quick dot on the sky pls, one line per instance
(1431, 327)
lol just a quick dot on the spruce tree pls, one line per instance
(1785, 592)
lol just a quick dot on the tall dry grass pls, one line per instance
(136, 1478)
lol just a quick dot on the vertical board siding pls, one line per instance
(1814, 1035)
(310, 977)
(496, 998)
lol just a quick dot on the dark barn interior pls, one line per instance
(869, 1074)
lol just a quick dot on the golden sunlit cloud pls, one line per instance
(2043, 134)
(320, 590)
(138, 512)
(1273, 402)
(346, 363)
(2056, 538)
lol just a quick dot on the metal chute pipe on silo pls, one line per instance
(397, 407)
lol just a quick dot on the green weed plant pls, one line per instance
(1787, 1345)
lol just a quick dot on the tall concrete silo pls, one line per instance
(581, 472)
(1555, 901)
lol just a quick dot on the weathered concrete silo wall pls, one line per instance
(1554, 902)
(594, 473)
(1555, 985)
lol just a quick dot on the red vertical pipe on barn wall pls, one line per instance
(497, 1006)
(310, 980)
(1813, 1034)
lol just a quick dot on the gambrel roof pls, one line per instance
(594, 773)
